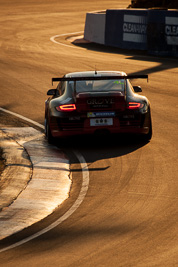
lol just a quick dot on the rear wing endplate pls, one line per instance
(99, 78)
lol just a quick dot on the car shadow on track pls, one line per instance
(102, 146)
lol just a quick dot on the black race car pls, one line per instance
(96, 102)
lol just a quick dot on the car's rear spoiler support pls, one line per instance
(99, 78)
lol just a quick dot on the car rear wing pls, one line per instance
(100, 78)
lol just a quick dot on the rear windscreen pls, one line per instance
(103, 85)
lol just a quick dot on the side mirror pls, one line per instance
(51, 92)
(137, 89)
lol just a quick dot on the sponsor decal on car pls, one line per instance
(100, 101)
(101, 114)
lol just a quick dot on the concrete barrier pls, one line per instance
(163, 32)
(95, 27)
(126, 28)
(153, 30)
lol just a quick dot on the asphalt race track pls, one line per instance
(129, 215)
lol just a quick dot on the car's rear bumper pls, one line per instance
(95, 130)
(62, 128)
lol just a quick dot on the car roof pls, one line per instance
(95, 74)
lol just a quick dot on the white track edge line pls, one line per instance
(77, 203)
(55, 36)
(22, 117)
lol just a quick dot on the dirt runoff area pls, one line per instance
(7, 120)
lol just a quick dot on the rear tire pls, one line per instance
(147, 137)
(48, 133)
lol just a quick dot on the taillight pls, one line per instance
(135, 105)
(68, 107)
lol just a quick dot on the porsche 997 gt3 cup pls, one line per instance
(96, 102)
